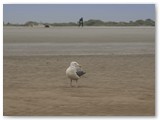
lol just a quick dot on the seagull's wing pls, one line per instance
(80, 72)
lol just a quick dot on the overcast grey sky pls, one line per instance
(21, 13)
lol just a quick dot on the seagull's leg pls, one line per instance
(76, 83)
(71, 83)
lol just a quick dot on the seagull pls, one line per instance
(74, 72)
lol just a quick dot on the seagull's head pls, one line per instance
(75, 64)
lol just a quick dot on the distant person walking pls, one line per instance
(81, 22)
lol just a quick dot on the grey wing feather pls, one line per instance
(80, 73)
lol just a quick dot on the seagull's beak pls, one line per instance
(79, 65)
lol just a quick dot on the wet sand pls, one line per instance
(78, 41)
(116, 83)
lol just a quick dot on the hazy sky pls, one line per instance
(21, 13)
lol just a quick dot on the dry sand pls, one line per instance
(115, 83)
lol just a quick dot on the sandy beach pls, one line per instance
(119, 64)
